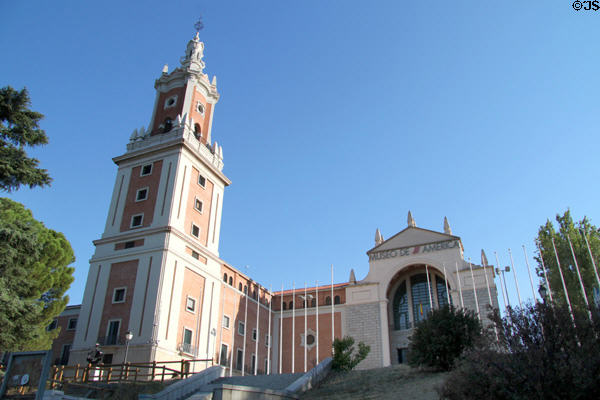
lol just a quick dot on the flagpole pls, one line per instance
(591, 257)
(269, 332)
(474, 290)
(332, 313)
(293, 327)
(317, 316)
(257, 332)
(429, 288)
(221, 336)
(446, 282)
(515, 276)
(305, 326)
(281, 331)
(462, 303)
(562, 278)
(529, 272)
(233, 329)
(587, 304)
(487, 284)
(500, 272)
(545, 274)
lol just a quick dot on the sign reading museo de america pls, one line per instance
(426, 248)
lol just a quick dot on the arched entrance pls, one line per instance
(411, 294)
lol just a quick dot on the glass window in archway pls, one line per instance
(401, 320)
(420, 297)
(442, 296)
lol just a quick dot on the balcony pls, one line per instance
(111, 340)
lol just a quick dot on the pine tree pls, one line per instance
(34, 276)
(19, 127)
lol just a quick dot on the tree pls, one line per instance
(541, 355)
(567, 229)
(34, 276)
(19, 127)
(441, 338)
(343, 360)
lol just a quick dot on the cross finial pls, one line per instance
(199, 25)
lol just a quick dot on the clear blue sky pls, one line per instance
(335, 118)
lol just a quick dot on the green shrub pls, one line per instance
(541, 355)
(441, 338)
(343, 359)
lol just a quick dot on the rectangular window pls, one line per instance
(195, 230)
(137, 220)
(52, 325)
(225, 321)
(266, 366)
(64, 354)
(196, 255)
(119, 295)
(130, 244)
(72, 324)
(268, 340)
(239, 362)
(198, 205)
(241, 328)
(141, 194)
(190, 304)
(253, 361)
(223, 356)
(112, 333)
(146, 170)
(254, 334)
(201, 181)
(186, 346)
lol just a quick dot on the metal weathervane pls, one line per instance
(199, 25)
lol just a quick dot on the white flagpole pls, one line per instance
(233, 334)
(500, 276)
(563, 282)
(293, 326)
(587, 304)
(474, 290)
(269, 332)
(281, 331)
(245, 330)
(446, 282)
(515, 276)
(257, 331)
(591, 258)
(221, 336)
(487, 284)
(332, 312)
(529, 272)
(545, 274)
(462, 303)
(305, 326)
(429, 288)
(317, 316)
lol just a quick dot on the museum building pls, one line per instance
(157, 286)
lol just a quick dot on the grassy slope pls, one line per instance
(397, 382)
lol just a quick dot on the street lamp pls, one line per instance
(128, 337)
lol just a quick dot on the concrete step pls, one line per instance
(201, 396)
(274, 381)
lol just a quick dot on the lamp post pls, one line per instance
(128, 337)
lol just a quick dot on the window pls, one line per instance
(254, 334)
(112, 332)
(146, 170)
(442, 296)
(142, 194)
(223, 356)
(195, 230)
(201, 181)
(400, 308)
(240, 287)
(225, 321)
(198, 205)
(310, 339)
(196, 255)
(239, 362)
(313, 302)
(119, 295)
(72, 324)
(200, 108)
(327, 301)
(241, 328)
(225, 278)
(336, 300)
(64, 355)
(137, 220)
(197, 131)
(253, 366)
(171, 101)
(186, 346)
(167, 125)
(291, 305)
(245, 289)
(52, 325)
(230, 281)
(284, 305)
(268, 340)
(190, 304)
(130, 244)
(420, 297)
(266, 366)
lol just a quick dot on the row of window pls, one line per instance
(239, 364)
(313, 302)
(71, 324)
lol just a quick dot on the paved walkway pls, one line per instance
(275, 381)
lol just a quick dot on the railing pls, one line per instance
(186, 348)
(133, 372)
(111, 340)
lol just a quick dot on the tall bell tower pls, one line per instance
(156, 269)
